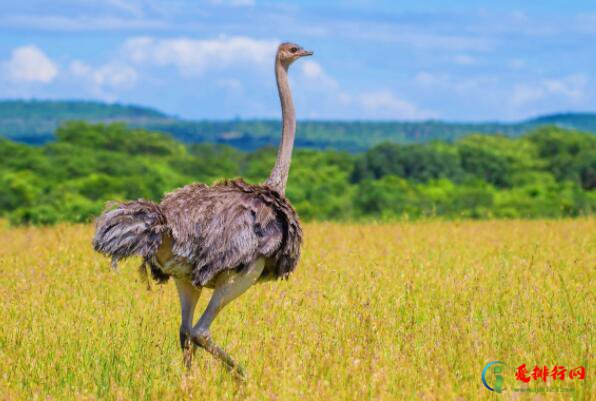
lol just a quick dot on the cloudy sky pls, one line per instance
(477, 60)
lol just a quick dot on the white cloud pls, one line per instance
(523, 93)
(371, 104)
(195, 56)
(571, 87)
(311, 69)
(106, 79)
(231, 85)
(315, 79)
(442, 81)
(384, 103)
(30, 64)
(312, 72)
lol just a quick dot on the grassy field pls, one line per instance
(389, 312)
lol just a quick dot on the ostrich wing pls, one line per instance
(231, 224)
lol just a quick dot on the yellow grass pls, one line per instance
(391, 312)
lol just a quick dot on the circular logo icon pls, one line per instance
(497, 368)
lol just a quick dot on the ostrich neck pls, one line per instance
(279, 175)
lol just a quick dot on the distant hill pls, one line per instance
(578, 121)
(34, 122)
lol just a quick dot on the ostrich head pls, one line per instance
(287, 53)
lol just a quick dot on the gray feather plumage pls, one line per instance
(130, 228)
(213, 228)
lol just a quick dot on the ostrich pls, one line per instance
(225, 237)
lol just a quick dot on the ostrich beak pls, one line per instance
(305, 53)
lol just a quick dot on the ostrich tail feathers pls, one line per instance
(128, 229)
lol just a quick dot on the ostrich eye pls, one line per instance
(294, 49)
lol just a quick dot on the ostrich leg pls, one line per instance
(229, 285)
(189, 295)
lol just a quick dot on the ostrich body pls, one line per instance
(227, 236)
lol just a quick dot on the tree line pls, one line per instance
(548, 173)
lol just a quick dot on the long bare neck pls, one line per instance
(279, 175)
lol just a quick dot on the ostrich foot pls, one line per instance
(188, 353)
(203, 340)
(188, 349)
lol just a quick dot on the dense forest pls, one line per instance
(34, 122)
(548, 172)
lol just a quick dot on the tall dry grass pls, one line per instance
(399, 311)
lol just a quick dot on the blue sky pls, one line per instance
(414, 60)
